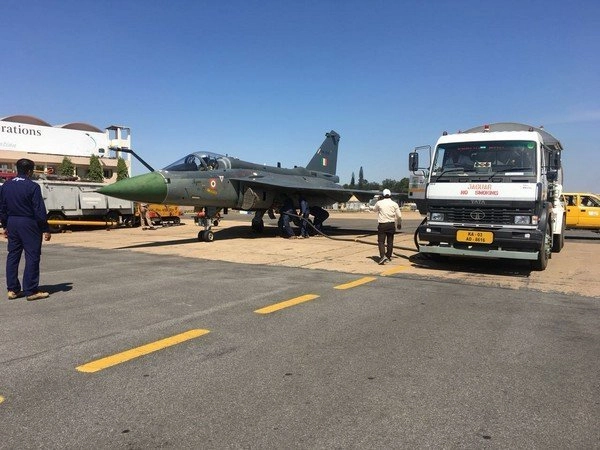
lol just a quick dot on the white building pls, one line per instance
(47, 145)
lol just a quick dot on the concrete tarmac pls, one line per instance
(412, 356)
(352, 248)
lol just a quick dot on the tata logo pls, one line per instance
(478, 202)
(477, 215)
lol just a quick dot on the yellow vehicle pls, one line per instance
(583, 210)
(162, 215)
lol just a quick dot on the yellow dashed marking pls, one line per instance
(109, 361)
(286, 304)
(393, 270)
(355, 283)
(1, 399)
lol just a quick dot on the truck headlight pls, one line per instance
(522, 220)
(437, 217)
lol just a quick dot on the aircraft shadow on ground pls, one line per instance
(244, 232)
(513, 268)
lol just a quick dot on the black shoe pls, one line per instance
(382, 261)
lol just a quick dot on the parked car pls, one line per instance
(583, 210)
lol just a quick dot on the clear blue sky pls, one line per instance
(264, 80)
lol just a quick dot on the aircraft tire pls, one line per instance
(200, 236)
(208, 236)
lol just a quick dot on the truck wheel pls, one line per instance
(559, 239)
(56, 228)
(113, 216)
(544, 254)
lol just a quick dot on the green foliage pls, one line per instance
(395, 186)
(66, 168)
(95, 172)
(399, 187)
(122, 169)
(361, 179)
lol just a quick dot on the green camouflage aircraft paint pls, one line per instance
(211, 182)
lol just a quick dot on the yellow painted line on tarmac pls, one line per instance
(355, 283)
(1, 399)
(109, 361)
(393, 270)
(286, 304)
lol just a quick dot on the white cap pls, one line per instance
(387, 193)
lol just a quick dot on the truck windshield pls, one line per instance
(486, 156)
(195, 162)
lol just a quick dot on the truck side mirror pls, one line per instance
(556, 160)
(413, 161)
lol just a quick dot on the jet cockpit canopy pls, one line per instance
(198, 161)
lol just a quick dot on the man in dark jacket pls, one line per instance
(23, 217)
(304, 212)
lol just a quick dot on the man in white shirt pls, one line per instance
(388, 214)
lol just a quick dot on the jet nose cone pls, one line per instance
(150, 187)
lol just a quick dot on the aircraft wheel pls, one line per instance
(201, 236)
(208, 236)
(258, 226)
(216, 222)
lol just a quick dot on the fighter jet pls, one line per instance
(213, 183)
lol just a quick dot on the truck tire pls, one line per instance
(558, 242)
(545, 251)
(56, 216)
(114, 217)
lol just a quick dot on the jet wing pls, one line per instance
(306, 185)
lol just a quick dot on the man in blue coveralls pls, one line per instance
(304, 212)
(23, 217)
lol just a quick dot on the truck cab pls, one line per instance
(583, 210)
(492, 192)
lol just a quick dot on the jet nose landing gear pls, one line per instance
(206, 220)
(206, 235)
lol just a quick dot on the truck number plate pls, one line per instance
(475, 237)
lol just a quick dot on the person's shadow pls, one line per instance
(54, 288)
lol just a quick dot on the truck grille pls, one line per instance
(499, 216)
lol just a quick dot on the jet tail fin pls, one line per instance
(325, 159)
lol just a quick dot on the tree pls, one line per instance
(371, 186)
(361, 178)
(400, 187)
(352, 182)
(66, 168)
(95, 172)
(122, 171)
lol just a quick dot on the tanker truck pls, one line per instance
(493, 191)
